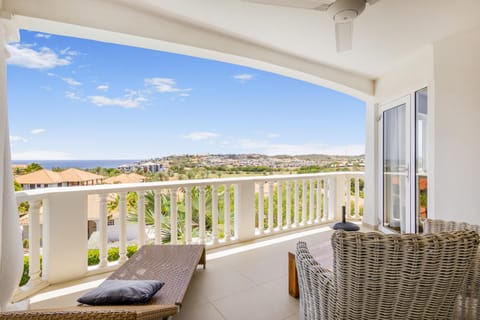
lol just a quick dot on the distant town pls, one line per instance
(182, 167)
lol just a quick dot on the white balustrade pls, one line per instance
(65, 215)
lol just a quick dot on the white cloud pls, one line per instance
(164, 85)
(41, 155)
(259, 146)
(273, 135)
(38, 131)
(132, 99)
(43, 59)
(17, 139)
(103, 87)
(243, 77)
(71, 81)
(67, 51)
(43, 35)
(184, 94)
(201, 135)
(72, 95)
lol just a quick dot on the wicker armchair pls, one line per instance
(468, 304)
(378, 276)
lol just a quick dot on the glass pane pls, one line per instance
(395, 168)
(421, 183)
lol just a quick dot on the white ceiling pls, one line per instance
(295, 42)
(384, 34)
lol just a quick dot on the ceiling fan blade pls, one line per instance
(320, 5)
(343, 36)
(372, 2)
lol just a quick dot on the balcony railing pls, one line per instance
(214, 212)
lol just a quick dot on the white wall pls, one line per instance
(457, 127)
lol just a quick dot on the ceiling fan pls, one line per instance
(343, 12)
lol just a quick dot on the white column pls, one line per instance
(65, 236)
(261, 209)
(11, 251)
(244, 211)
(122, 216)
(158, 216)
(102, 228)
(173, 216)
(188, 215)
(141, 217)
(226, 217)
(371, 188)
(201, 214)
(214, 214)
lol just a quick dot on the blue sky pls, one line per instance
(72, 98)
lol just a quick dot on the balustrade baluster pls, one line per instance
(214, 214)
(103, 250)
(270, 206)
(288, 205)
(261, 208)
(122, 236)
(226, 212)
(201, 214)
(295, 204)
(319, 201)
(158, 216)
(357, 197)
(279, 205)
(188, 215)
(173, 216)
(304, 202)
(311, 212)
(141, 217)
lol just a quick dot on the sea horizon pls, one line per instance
(79, 164)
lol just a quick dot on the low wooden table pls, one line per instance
(322, 253)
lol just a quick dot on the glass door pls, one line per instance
(395, 158)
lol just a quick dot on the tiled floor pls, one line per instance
(241, 282)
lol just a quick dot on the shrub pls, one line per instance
(113, 254)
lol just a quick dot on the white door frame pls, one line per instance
(410, 131)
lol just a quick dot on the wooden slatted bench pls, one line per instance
(172, 264)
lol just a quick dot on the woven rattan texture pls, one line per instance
(172, 264)
(138, 312)
(468, 306)
(378, 276)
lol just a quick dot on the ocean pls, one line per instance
(79, 164)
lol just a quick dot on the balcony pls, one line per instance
(247, 242)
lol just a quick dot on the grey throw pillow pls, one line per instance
(114, 292)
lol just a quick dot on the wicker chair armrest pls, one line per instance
(323, 286)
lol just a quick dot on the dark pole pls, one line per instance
(344, 214)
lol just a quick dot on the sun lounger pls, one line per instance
(172, 264)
